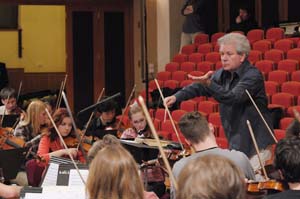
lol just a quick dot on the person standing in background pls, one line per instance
(195, 21)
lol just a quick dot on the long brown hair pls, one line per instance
(58, 118)
(114, 175)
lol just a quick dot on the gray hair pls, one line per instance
(240, 42)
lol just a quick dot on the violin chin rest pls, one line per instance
(174, 145)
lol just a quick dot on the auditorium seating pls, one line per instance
(255, 35)
(201, 38)
(274, 55)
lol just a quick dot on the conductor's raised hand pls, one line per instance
(170, 100)
(204, 79)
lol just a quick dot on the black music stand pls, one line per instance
(11, 161)
(100, 133)
(9, 120)
(140, 152)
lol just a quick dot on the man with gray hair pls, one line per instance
(227, 85)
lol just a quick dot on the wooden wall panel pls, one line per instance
(34, 81)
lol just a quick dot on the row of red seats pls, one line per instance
(263, 45)
(195, 60)
(283, 100)
(281, 76)
(292, 87)
(180, 78)
(265, 66)
(272, 34)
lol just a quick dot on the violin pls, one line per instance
(265, 186)
(173, 155)
(72, 142)
(118, 125)
(7, 141)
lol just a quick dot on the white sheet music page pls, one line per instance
(59, 192)
(33, 196)
(74, 178)
(51, 175)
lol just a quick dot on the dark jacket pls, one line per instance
(236, 107)
(196, 21)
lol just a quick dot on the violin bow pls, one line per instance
(59, 94)
(90, 118)
(2, 118)
(257, 151)
(63, 142)
(18, 120)
(62, 88)
(154, 133)
(74, 125)
(170, 116)
(262, 117)
(127, 104)
(19, 90)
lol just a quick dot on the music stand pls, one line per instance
(9, 120)
(140, 152)
(11, 161)
(100, 133)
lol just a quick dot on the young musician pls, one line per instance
(9, 100)
(106, 121)
(211, 177)
(287, 161)
(51, 145)
(138, 122)
(199, 134)
(34, 123)
(114, 174)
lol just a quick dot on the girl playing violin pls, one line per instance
(138, 122)
(33, 123)
(50, 145)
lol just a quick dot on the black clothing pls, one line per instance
(194, 22)
(289, 194)
(245, 26)
(96, 128)
(235, 106)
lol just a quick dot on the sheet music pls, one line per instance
(58, 192)
(33, 196)
(74, 178)
(51, 175)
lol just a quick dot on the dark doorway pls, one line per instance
(83, 55)
(212, 16)
(293, 6)
(270, 13)
(114, 54)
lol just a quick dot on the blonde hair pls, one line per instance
(100, 144)
(33, 112)
(114, 175)
(135, 108)
(214, 176)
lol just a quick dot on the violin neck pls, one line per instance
(11, 143)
